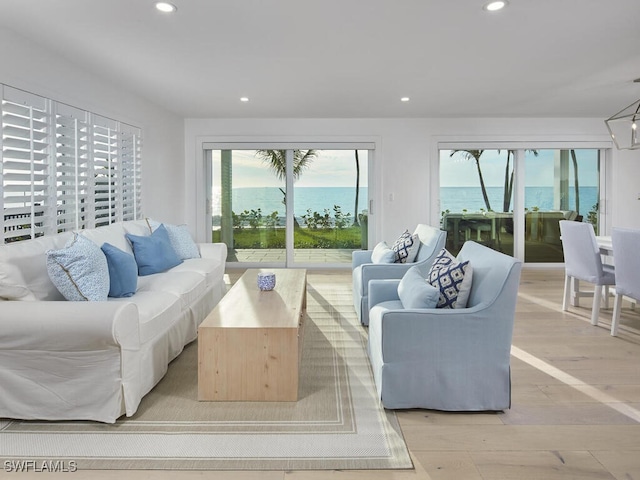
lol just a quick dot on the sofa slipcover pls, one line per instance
(62, 360)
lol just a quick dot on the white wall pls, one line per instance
(33, 68)
(406, 158)
(626, 189)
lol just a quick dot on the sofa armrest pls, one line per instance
(359, 257)
(382, 291)
(216, 251)
(69, 326)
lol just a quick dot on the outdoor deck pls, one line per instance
(304, 255)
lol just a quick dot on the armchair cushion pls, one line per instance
(452, 278)
(415, 292)
(382, 253)
(406, 247)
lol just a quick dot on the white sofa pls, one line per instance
(64, 360)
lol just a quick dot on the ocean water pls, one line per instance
(315, 198)
(454, 199)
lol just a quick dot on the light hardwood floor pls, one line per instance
(575, 408)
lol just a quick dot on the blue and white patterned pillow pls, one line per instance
(452, 278)
(180, 238)
(79, 270)
(406, 247)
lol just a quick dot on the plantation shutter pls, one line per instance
(26, 165)
(64, 168)
(105, 170)
(72, 169)
(130, 172)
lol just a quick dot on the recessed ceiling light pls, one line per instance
(166, 7)
(404, 99)
(495, 5)
(244, 99)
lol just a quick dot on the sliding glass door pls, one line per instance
(559, 185)
(330, 199)
(247, 206)
(513, 200)
(476, 198)
(321, 222)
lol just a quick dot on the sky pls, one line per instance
(331, 168)
(336, 168)
(539, 170)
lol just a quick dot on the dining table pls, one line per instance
(605, 245)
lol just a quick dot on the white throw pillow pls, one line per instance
(452, 278)
(383, 254)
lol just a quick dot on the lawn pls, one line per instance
(349, 237)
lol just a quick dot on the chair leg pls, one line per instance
(567, 291)
(615, 319)
(595, 312)
(575, 299)
(605, 295)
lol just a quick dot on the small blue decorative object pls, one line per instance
(266, 281)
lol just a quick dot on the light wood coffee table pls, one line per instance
(249, 346)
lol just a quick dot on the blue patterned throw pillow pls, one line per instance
(453, 278)
(79, 270)
(180, 238)
(406, 247)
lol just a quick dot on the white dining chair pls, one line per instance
(582, 262)
(625, 255)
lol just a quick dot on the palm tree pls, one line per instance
(278, 163)
(277, 160)
(476, 154)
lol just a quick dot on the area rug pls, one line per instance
(337, 423)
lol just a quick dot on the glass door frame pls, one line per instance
(605, 187)
(208, 146)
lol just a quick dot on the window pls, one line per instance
(315, 214)
(64, 168)
(513, 200)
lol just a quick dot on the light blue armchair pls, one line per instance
(447, 359)
(432, 241)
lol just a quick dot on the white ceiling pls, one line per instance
(351, 58)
